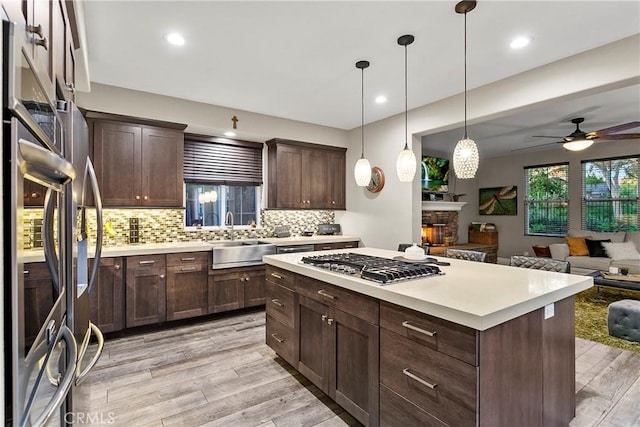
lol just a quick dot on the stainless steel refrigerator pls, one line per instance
(42, 360)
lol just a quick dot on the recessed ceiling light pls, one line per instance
(229, 134)
(381, 99)
(520, 42)
(175, 39)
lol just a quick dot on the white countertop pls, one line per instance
(37, 255)
(477, 295)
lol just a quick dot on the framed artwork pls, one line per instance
(499, 201)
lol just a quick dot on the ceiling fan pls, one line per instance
(579, 140)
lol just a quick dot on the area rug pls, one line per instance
(591, 316)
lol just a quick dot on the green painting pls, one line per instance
(499, 201)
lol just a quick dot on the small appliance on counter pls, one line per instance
(329, 229)
(282, 231)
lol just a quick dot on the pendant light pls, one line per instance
(362, 170)
(406, 163)
(465, 155)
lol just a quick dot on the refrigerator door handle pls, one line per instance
(81, 373)
(91, 174)
(50, 255)
(66, 382)
(44, 166)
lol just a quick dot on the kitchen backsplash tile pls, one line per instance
(167, 225)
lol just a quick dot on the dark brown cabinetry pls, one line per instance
(187, 285)
(138, 165)
(336, 245)
(333, 340)
(33, 194)
(107, 297)
(38, 289)
(146, 295)
(281, 305)
(305, 176)
(233, 288)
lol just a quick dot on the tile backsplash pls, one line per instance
(167, 225)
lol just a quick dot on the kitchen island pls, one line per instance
(482, 344)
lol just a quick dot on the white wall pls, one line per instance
(205, 118)
(393, 215)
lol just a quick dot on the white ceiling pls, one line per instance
(296, 59)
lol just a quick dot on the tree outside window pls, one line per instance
(610, 194)
(547, 200)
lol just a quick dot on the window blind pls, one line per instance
(547, 199)
(222, 161)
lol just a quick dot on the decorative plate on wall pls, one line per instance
(377, 180)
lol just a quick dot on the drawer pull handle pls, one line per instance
(277, 302)
(326, 248)
(188, 269)
(415, 328)
(326, 294)
(187, 259)
(276, 275)
(277, 338)
(146, 262)
(161, 276)
(25, 272)
(408, 373)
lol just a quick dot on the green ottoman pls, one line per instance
(623, 319)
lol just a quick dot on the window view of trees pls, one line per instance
(547, 200)
(208, 204)
(610, 194)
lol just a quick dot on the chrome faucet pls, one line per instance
(226, 221)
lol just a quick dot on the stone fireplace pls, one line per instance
(439, 228)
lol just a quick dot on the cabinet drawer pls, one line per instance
(187, 268)
(439, 384)
(188, 258)
(279, 303)
(398, 411)
(358, 305)
(441, 335)
(280, 276)
(145, 261)
(280, 338)
(335, 245)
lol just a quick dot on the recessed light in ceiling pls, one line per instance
(175, 39)
(229, 134)
(520, 42)
(381, 99)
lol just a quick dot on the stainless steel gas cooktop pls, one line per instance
(377, 269)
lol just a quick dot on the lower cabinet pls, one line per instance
(329, 342)
(146, 292)
(234, 288)
(187, 285)
(106, 300)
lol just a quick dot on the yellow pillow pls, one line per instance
(577, 246)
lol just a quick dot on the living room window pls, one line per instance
(610, 191)
(221, 175)
(546, 201)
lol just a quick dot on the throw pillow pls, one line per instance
(595, 247)
(625, 250)
(577, 246)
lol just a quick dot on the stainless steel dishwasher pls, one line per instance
(289, 249)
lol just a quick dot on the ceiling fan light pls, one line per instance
(578, 145)
(465, 159)
(362, 172)
(406, 165)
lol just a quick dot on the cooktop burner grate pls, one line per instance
(377, 269)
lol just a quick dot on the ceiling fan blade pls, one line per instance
(620, 136)
(614, 129)
(547, 136)
(533, 147)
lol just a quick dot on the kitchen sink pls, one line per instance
(240, 253)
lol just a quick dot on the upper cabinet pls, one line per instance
(305, 176)
(137, 164)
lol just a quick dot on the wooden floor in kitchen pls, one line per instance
(220, 373)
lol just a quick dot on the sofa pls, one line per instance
(624, 246)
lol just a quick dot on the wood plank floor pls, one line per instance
(220, 373)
